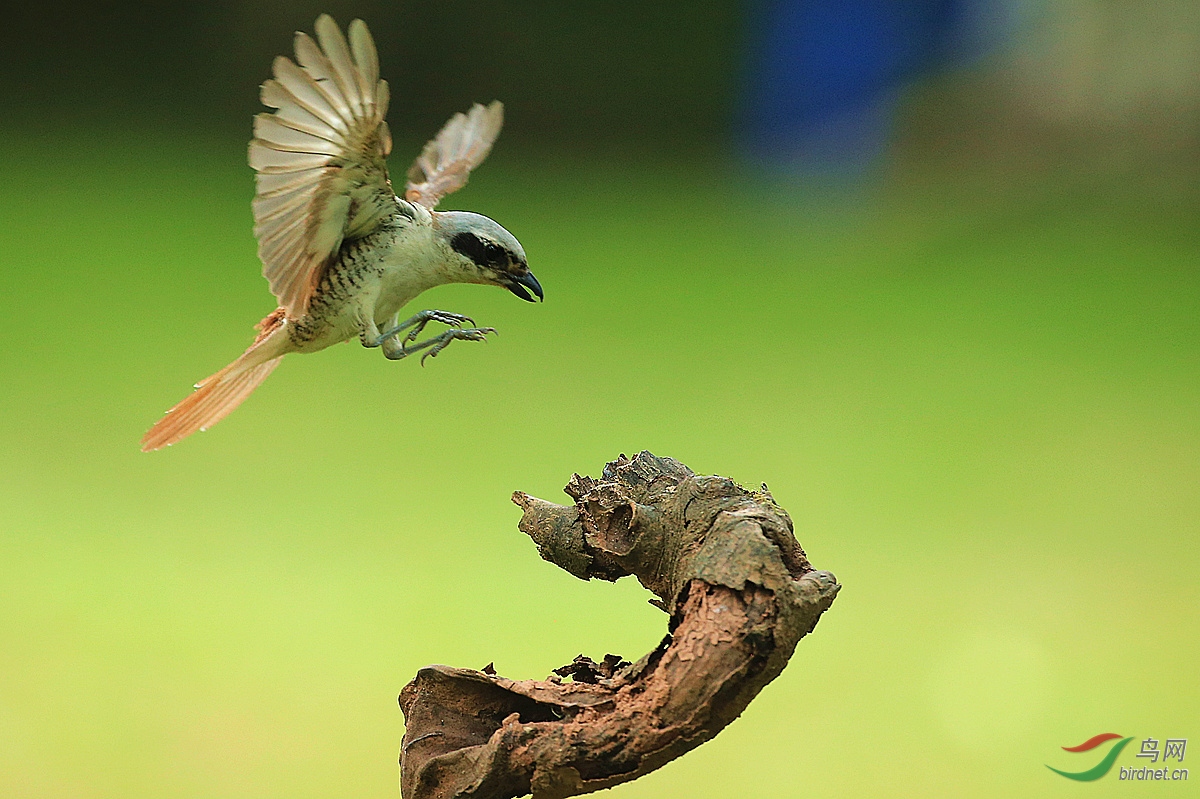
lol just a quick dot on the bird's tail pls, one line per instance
(216, 396)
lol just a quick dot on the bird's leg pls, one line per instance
(417, 321)
(394, 349)
(368, 332)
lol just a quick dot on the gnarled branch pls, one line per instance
(722, 560)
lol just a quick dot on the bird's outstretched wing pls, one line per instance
(447, 160)
(320, 157)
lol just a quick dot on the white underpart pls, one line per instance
(412, 264)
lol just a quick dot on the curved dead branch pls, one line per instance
(722, 560)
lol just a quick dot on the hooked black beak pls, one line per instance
(519, 284)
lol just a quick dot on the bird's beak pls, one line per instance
(527, 280)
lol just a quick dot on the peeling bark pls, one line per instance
(722, 561)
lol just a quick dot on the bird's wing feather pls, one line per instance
(320, 158)
(447, 160)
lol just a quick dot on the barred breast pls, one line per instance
(332, 315)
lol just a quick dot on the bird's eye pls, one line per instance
(469, 244)
(495, 254)
(483, 253)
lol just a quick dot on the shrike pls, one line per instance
(342, 253)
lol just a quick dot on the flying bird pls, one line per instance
(341, 252)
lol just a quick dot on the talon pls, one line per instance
(416, 324)
(455, 319)
(452, 319)
(439, 342)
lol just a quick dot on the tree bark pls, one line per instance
(722, 561)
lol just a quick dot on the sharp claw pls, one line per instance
(442, 340)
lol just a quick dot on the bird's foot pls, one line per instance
(445, 317)
(442, 340)
(437, 343)
(417, 322)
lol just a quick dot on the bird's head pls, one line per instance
(478, 250)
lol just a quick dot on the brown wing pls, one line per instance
(320, 157)
(446, 162)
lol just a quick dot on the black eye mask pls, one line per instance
(483, 253)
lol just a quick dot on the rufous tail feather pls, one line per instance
(216, 396)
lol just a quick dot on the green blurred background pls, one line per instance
(970, 371)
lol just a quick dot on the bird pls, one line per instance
(341, 251)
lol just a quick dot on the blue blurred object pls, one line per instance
(825, 75)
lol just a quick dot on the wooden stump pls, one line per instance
(723, 562)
